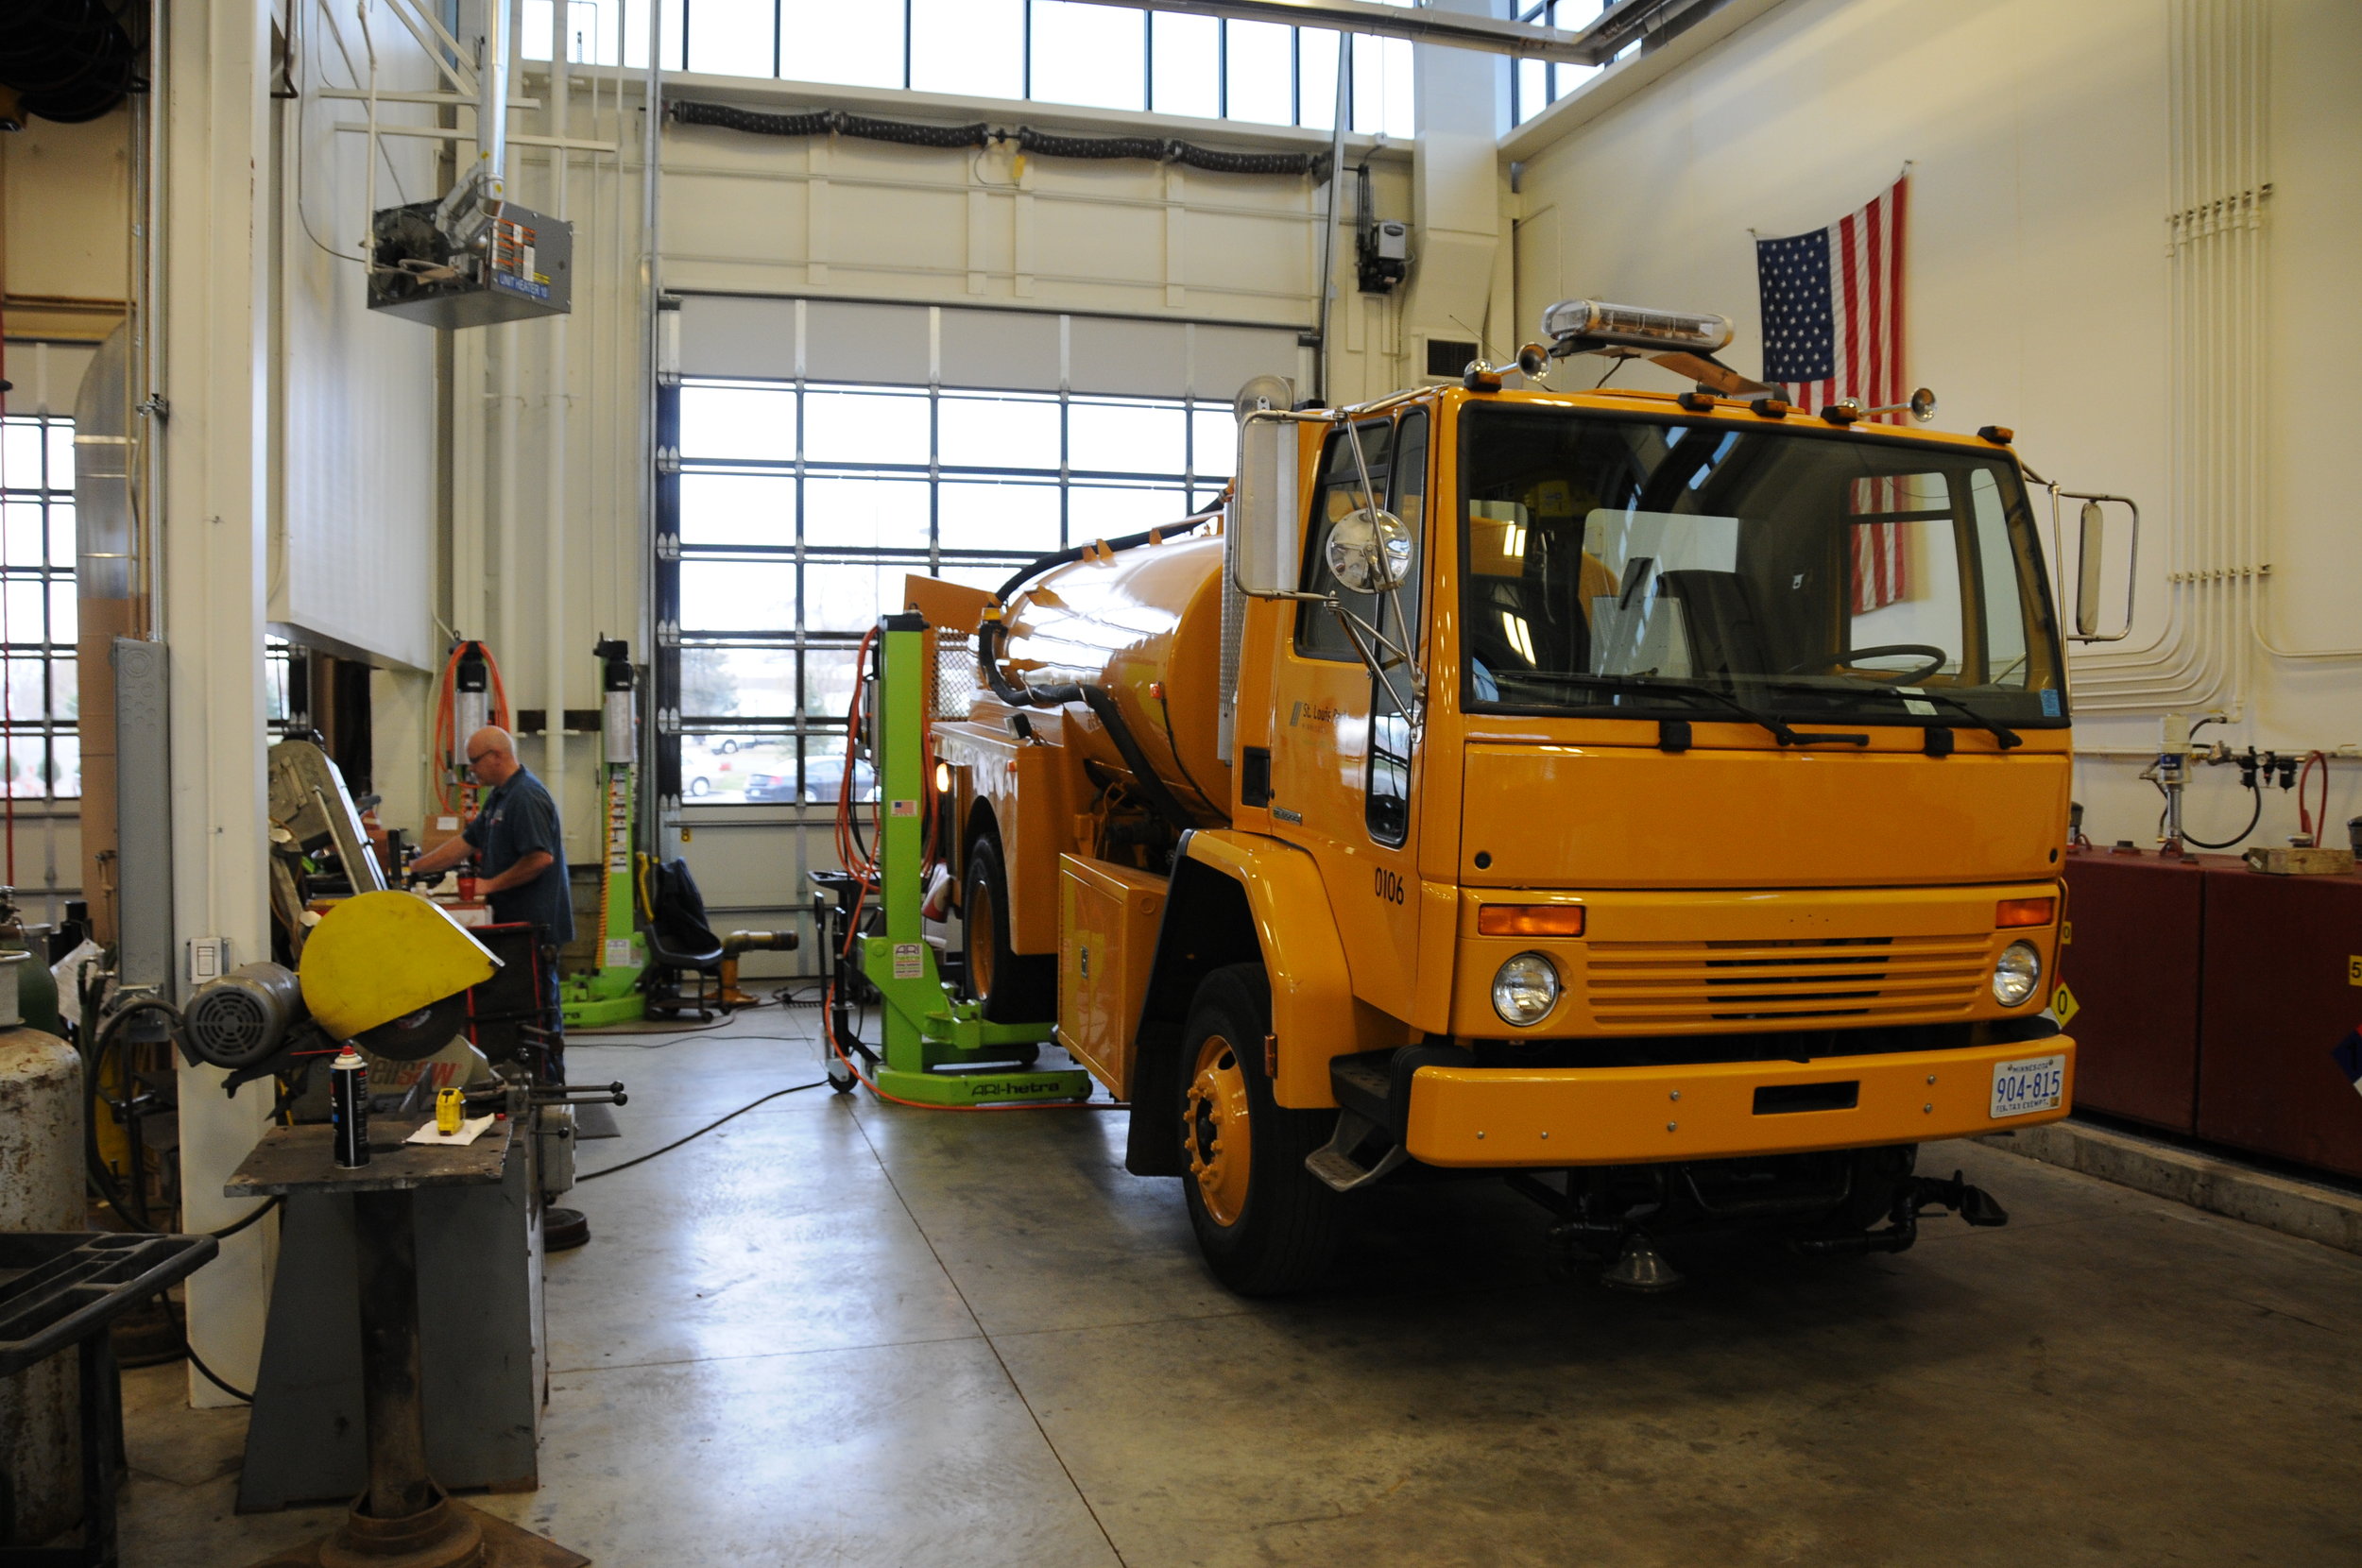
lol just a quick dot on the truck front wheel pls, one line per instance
(1266, 1224)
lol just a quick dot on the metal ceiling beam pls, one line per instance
(1455, 29)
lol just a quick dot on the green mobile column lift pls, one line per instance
(938, 1049)
(611, 993)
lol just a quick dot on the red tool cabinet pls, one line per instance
(2132, 967)
(2277, 993)
(2210, 998)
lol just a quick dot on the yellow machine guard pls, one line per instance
(383, 956)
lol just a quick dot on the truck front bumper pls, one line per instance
(1513, 1118)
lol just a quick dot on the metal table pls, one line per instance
(63, 1289)
(403, 1516)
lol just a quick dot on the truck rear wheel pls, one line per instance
(1266, 1224)
(1013, 987)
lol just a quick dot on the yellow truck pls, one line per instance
(1657, 800)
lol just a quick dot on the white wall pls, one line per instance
(2040, 138)
(352, 522)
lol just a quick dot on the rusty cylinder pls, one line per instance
(41, 1189)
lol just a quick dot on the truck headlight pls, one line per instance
(1525, 989)
(2017, 974)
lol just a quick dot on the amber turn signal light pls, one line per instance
(1530, 919)
(2024, 912)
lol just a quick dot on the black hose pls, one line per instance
(102, 1181)
(2253, 817)
(214, 1377)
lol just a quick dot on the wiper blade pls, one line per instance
(2001, 732)
(1779, 729)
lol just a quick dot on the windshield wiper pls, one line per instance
(2001, 732)
(1780, 730)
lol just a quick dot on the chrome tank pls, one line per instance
(1146, 616)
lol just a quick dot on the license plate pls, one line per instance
(2021, 1089)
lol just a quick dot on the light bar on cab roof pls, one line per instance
(1575, 325)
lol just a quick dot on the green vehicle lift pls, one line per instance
(938, 1049)
(611, 994)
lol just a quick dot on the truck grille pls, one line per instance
(1677, 984)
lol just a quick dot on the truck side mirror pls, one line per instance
(2093, 530)
(2090, 548)
(1369, 552)
(1265, 541)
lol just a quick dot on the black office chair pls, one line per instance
(681, 944)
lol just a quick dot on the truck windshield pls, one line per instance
(1609, 562)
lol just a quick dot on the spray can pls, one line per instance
(348, 1107)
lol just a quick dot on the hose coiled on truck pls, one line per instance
(992, 633)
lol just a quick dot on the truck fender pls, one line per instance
(1240, 898)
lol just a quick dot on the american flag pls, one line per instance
(1833, 328)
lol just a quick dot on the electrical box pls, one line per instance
(519, 267)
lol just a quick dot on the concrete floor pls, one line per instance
(838, 1332)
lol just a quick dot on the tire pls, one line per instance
(1266, 1225)
(700, 786)
(1013, 987)
(725, 746)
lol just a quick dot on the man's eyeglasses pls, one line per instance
(475, 756)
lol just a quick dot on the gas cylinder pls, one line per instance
(41, 1189)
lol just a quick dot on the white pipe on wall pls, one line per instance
(554, 448)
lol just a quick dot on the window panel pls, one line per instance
(830, 676)
(1382, 98)
(1185, 54)
(740, 765)
(21, 606)
(20, 456)
(1091, 55)
(864, 426)
(826, 776)
(1533, 90)
(1260, 76)
(1102, 511)
(1019, 517)
(1316, 76)
(849, 596)
(738, 508)
(751, 683)
(731, 38)
(1213, 441)
(888, 514)
(997, 432)
(61, 471)
(738, 595)
(61, 534)
(65, 764)
(590, 28)
(24, 534)
(1125, 438)
(62, 621)
(636, 36)
(750, 423)
(976, 47)
(857, 44)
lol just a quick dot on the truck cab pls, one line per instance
(1659, 799)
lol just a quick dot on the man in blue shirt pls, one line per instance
(515, 834)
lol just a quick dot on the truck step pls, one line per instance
(1335, 1164)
